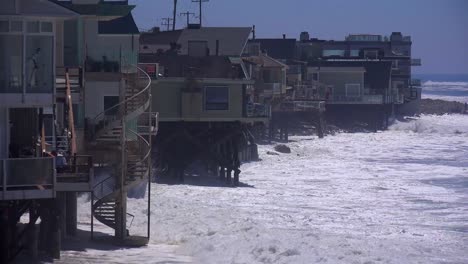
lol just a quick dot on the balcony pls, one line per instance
(27, 178)
(415, 82)
(78, 176)
(416, 62)
(363, 99)
(302, 106)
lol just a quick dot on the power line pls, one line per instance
(167, 22)
(187, 14)
(200, 7)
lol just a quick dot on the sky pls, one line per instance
(438, 28)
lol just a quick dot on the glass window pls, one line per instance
(32, 27)
(39, 64)
(46, 27)
(217, 98)
(16, 26)
(4, 26)
(109, 102)
(354, 53)
(11, 64)
(327, 53)
(315, 76)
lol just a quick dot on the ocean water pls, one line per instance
(451, 87)
(396, 196)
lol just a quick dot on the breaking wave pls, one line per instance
(445, 124)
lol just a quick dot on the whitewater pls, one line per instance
(397, 196)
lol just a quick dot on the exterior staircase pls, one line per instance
(121, 131)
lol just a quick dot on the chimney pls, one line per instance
(284, 36)
(217, 47)
(253, 32)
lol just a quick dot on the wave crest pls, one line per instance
(445, 124)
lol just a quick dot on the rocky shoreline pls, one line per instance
(441, 107)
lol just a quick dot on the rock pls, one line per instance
(272, 153)
(282, 148)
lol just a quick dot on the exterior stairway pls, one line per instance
(135, 165)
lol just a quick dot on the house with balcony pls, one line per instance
(204, 95)
(31, 180)
(269, 75)
(114, 122)
(395, 48)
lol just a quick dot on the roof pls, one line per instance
(120, 26)
(35, 8)
(376, 76)
(115, 8)
(265, 61)
(162, 37)
(201, 67)
(232, 40)
(283, 49)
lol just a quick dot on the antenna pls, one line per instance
(200, 2)
(167, 22)
(187, 14)
(174, 14)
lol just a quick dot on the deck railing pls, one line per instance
(27, 173)
(302, 106)
(258, 110)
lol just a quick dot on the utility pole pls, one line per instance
(187, 14)
(174, 15)
(200, 2)
(167, 22)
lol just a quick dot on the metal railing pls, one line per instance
(27, 173)
(302, 106)
(416, 62)
(415, 82)
(76, 80)
(258, 110)
(78, 170)
(106, 119)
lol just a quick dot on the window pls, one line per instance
(16, 26)
(216, 98)
(46, 27)
(327, 53)
(4, 27)
(353, 90)
(32, 27)
(371, 54)
(354, 53)
(110, 101)
(11, 64)
(315, 76)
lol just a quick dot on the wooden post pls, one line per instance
(71, 216)
(5, 237)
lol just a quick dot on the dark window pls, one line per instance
(315, 76)
(216, 98)
(110, 101)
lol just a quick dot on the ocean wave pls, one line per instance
(433, 83)
(433, 124)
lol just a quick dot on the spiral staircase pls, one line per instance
(124, 127)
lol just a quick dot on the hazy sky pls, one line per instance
(439, 28)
